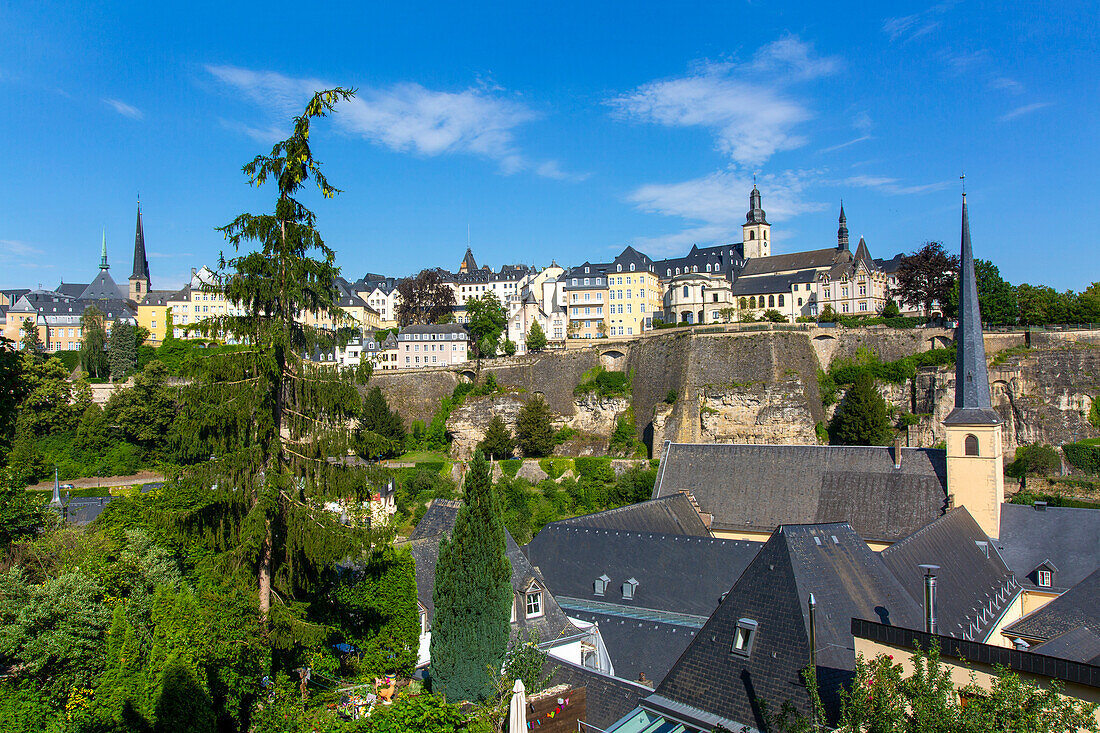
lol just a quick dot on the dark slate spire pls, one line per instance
(469, 264)
(756, 213)
(141, 264)
(842, 232)
(972, 403)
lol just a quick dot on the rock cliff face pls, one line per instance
(761, 388)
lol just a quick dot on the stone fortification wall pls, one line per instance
(416, 394)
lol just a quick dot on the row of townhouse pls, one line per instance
(413, 347)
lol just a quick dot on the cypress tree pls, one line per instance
(472, 595)
(93, 343)
(533, 431)
(122, 354)
(498, 442)
(378, 418)
(861, 418)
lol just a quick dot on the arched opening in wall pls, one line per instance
(939, 342)
(825, 337)
(970, 445)
(468, 375)
(612, 360)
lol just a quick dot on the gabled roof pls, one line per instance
(847, 579)
(73, 290)
(157, 297)
(815, 258)
(607, 698)
(572, 558)
(668, 515)
(639, 646)
(1078, 606)
(758, 487)
(974, 588)
(1079, 645)
(1066, 536)
(103, 287)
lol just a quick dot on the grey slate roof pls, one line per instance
(974, 589)
(549, 627)
(438, 519)
(764, 284)
(1078, 606)
(607, 698)
(443, 328)
(103, 287)
(847, 579)
(758, 487)
(672, 514)
(814, 258)
(73, 290)
(638, 646)
(1067, 537)
(141, 263)
(1079, 645)
(572, 558)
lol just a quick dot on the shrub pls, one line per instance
(603, 383)
(1083, 456)
(594, 469)
(510, 466)
(670, 398)
(861, 418)
(1034, 460)
(773, 316)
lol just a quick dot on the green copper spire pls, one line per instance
(103, 253)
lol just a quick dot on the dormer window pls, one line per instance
(618, 268)
(1044, 578)
(628, 589)
(533, 601)
(743, 637)
(600, 586)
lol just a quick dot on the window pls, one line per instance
(534, 602)
(628, 589)
(780, 301)
(752, 236)
(970, 445)
(632, 270)
(771, 301)
(1044, 578)
(844, 308)
(685, 291)
(743, 637)
(800, 301)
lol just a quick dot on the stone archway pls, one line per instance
(939, 342)
(612, 360)
(468, 375)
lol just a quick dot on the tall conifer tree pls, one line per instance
(271, 420)
(93, 343)
(472, 594)
(123, 352)
(861, 418)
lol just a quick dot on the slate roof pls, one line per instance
(141, 263)
(103, 287)
(549, 627)
(638, 646)
(73, 290)
(1068, 537)
(571, 558)
(758, 487)
(607, 698)
(439, 518)
(443, 328)
(847, 579)
(763, 284)
(814, 258)
(891, 265)
(973, 589)
(722, 258)
(1078, 606)
(672, 514)
(1080, 645)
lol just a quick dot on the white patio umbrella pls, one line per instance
(517, 709)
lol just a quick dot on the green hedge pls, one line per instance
(511, 466)
(433, 466)
(1083, 456)
(595, 470)
(555, 467)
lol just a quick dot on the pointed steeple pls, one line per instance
(141, 263)
(756, 212)
(972, 402)
(842, 231)
(103, 253)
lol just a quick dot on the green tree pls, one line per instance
(861, 417)
(50, 402)
(1035, 459)
(774, 316)
(472, 594)
(536, 338)
(93, 343)
(1041, 305)
(925, 277)
(891, 310)
(28, 339)
(534, 435)
(378, 418)
(183, 705)
(828, 315)
(122, 354)
(424, 299)
(272, 418)
(12, 391)
(1088, 305)
(143, 413)
(486, 322)
(498, 442)
(509, 347)
(21, 514)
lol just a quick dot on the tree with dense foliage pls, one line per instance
(381, 430)
(486, 321)
(534, 435)
(269, 416)
(536, 338)
(925, 277)
(891, 310)
(773, 316)
(861, 418)
(122, 353)
(144, 413)
(11, 393)
(424, 299)
(828, 315)
(28, 338)
(93, 343)
(1088, 304)
(1041, 304)
(472, 594)
(498, 442)
(22, 514)
(1035, 459)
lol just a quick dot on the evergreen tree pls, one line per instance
(93, 343)
(183, 706)
(122, 354)
(498, 442)
(28, 339)
(378, 418)
(533, 432)
(472, 595)
(536, 338)
(11, 393)
(861, 418)
(271, 418)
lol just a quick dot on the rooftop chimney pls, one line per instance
(897, 451)
(929, 597)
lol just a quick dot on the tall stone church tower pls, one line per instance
(975, 478)
(756, 231)
(139, 280)
(842, 230)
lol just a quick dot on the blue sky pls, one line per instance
(553, 131)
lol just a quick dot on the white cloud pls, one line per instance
(13, 248)
(893, 186)
(909, 27)
(1024, 110)
(404, 117)
(716, 205)
(841, 146)
(126, 110)
(1007, 84)
(744, 105)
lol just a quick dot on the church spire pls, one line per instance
(972, 402)
(756, 212)
(842, 231)
(141, 263)
(103, 253)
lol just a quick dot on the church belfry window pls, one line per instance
(970, 445)
(752, 235)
